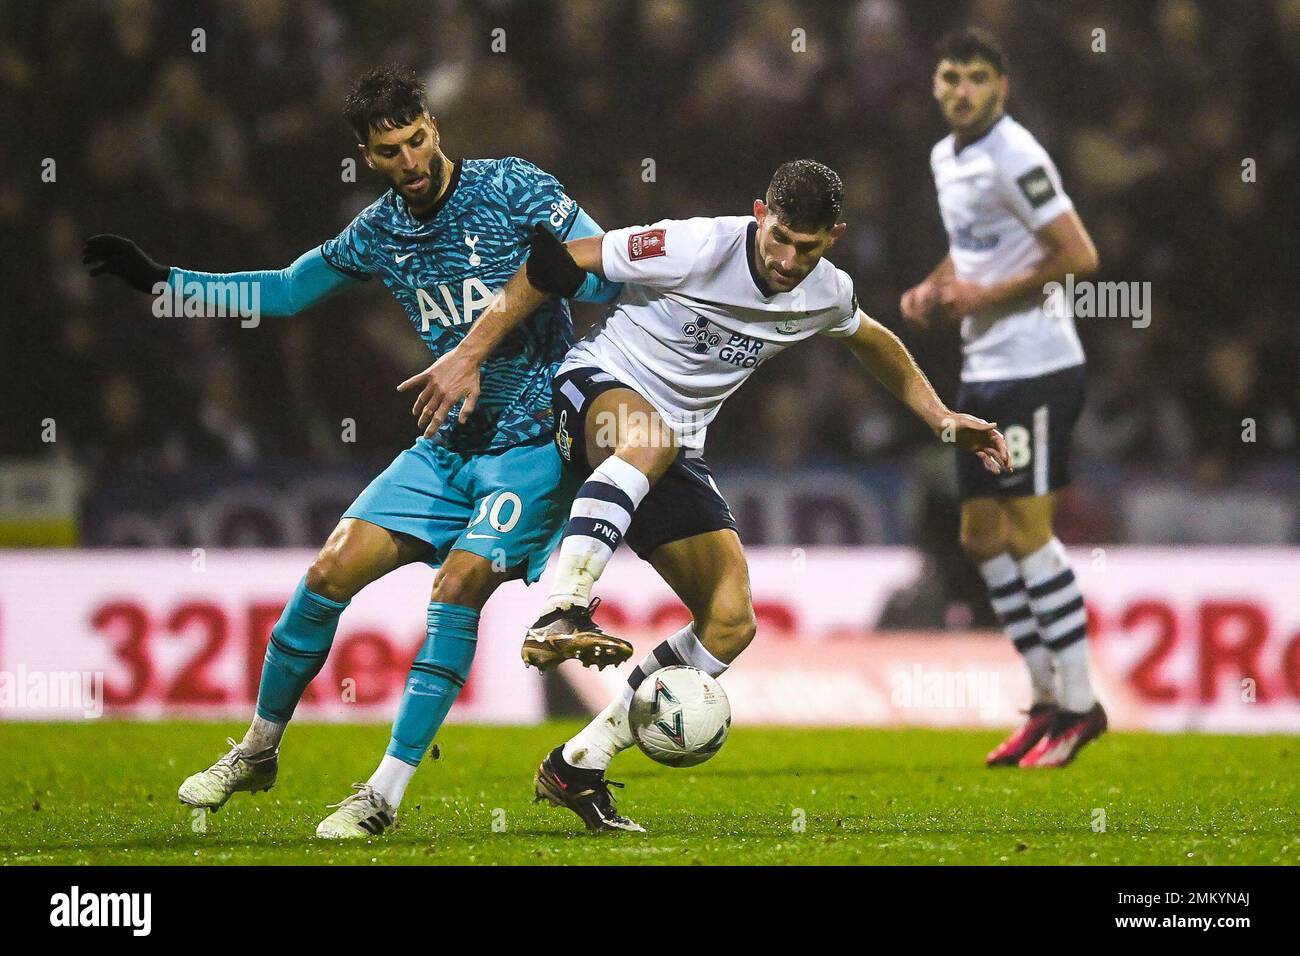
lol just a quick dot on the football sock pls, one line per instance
(1062, 621)
(300, 642)
(593, 747)
(437, 674)
(262, 735)
(1010, 601)
(601, 514)
(693, 653)
(390, 778)
(609, 732)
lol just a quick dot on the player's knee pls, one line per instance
(462, 583)
(651, 459)
(1022, 541)
(328, 576)
(452, 587)
(1029, 526)
(981, 541)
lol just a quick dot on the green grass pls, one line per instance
(104, 793)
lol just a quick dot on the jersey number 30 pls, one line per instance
(494, 506)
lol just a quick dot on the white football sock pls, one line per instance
(262, 735)
(609, 732)
(1076, 691)
(1010, 601)
(601, 514)
(693, 652)
(1062, 619)
(390, 778)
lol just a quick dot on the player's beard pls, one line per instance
(431, 190)
(976, 121)
(782, 282)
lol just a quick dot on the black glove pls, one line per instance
(550, 267)
(121, 257)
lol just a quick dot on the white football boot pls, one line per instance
(364, 814)
(234, 772)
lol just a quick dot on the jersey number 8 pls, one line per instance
(1018, 445)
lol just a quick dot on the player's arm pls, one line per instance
(1069, 250)
(595, 286)
(576, 269)
(285, 291)
(919, 302)
(886, 358)
(570, 270)
(658, 257)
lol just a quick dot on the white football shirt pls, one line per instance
(993, 196)
(694, 318)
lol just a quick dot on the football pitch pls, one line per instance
(105, 793)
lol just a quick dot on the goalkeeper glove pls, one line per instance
(550, 267)
(119, 256)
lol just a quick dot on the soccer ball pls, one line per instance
(679, 716)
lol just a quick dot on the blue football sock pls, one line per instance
(438, 673)
(300, 642)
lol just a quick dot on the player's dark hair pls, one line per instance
(806, 195)
(971, 43)
(387, 97)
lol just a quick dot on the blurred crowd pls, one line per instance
(1175, 128)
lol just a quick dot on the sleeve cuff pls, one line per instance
(342, 270)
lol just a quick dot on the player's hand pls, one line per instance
(119, 256)
(917, 303)
(444, 383)
(550, 266)
(959, 298)
(978, 436)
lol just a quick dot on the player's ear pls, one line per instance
(365, 154)
(837, 230)
(760, 210)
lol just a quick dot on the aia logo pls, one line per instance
(646, 245)
(475, 297)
